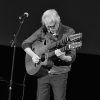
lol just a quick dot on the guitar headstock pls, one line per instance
(75, 45)
(75, 37)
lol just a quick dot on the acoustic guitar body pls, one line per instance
(40, 48)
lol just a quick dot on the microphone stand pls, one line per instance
(13, 45)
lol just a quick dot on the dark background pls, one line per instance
(82, 15)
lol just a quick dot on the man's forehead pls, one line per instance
(51, 24)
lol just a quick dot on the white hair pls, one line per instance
(50, 15)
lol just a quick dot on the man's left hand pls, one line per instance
(66, 58)
(59, 53)
(62, 55)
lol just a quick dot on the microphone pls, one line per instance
(25, 15)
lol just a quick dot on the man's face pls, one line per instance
(52, 26)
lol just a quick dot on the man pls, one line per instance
(56, 75)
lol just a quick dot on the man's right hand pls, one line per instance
(35, 58)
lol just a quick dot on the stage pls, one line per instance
(82, 79)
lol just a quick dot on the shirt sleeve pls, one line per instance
(31, 39)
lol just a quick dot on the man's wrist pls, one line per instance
(59, 53)
(66, 58)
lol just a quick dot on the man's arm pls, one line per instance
(27, 45)
(29, 41)
(70, 55)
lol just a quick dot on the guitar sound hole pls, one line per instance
(43, 57)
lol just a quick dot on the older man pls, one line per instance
(60, 63)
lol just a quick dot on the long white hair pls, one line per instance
(50, 15)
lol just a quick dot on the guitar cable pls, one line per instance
(23, 92)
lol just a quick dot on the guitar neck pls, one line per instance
(66, 47)
(64, 40)
(55, 44)
(52, 52)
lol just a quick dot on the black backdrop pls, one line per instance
(82, 15)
